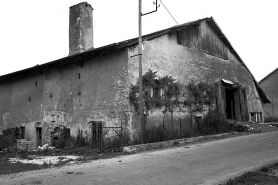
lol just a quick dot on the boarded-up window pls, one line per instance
(202, 38)
(189, 36)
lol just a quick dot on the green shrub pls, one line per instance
(158, 133)
(66, 140)
(63, 140)
(7, 141)
(213, 123)
(271, 119)
(188, 133)
(113, 143)
(216, 123)
(23, 155)
(238, 127)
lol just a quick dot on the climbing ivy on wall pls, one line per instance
(168, 92)
(200, 93)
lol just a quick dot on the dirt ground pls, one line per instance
(28, 161)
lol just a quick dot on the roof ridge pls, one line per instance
(268, 75)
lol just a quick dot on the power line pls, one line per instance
(169, 12)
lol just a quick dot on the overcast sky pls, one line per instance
(35, 32)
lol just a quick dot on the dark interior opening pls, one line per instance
(22, 132)
(39, 136)
(96, 131)
(230, 104)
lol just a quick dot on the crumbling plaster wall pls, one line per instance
(80, 28)
(165, 56)
(5, 99)
(21, 100)
(72, 95)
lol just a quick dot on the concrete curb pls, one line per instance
(149, 146)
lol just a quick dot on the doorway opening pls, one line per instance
(230, 104)
(234, 101)
(39, 136)
(22, 132)
(96, 131)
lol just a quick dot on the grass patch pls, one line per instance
(264, 176)
(274, 124)
(258, 178)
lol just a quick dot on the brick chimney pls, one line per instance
(81, 37)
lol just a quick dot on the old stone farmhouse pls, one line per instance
(91, 86)
(270, 87)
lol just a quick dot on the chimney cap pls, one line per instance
(84, 3)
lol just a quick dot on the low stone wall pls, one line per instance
(23, 145)
(149, 146)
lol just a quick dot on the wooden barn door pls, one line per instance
(237, 104)
(243, 104)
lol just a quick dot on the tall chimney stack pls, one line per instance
(81, 37)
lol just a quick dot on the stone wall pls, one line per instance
(70, 95)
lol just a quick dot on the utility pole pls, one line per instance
(140, 74)
(141, 103)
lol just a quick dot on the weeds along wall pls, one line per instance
(68, 95)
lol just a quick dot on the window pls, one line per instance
(157, 90)
(53, 118)
(79, 75)
(36, 83)
(22, 132)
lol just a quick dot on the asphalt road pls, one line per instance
(205, 163)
